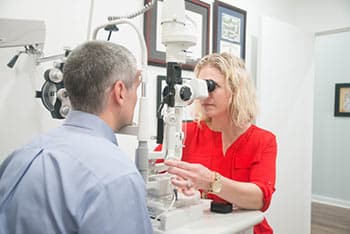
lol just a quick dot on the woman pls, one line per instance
(225, 155)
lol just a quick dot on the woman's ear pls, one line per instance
(119, 92)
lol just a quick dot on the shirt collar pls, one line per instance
(92, 123)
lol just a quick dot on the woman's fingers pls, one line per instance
(179, 164)
(185, 186)
(199, 175)
(180, 172)
(180, 183)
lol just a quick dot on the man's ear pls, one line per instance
(119, 92)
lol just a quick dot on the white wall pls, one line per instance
(285, 85)
(323, 15)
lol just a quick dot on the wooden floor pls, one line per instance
(326, 219)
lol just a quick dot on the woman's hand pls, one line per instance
(189, 175)
(183, 185)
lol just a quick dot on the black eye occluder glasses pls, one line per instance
(211, 85)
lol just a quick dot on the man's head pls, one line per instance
(101, 79)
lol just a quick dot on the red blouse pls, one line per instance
(251, 158)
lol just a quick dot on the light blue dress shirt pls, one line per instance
(74, 179)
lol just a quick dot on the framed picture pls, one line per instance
(197, 11)
(229, 29)
(342, 100)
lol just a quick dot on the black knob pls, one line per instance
(38, 94)
(185, 93)
(13, 61)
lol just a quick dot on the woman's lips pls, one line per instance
(207, 105)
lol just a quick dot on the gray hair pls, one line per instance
(90, 71)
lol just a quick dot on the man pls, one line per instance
(76, 179)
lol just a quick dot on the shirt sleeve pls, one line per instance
(118, 207)
(263, 172)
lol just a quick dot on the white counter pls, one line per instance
(237, 222)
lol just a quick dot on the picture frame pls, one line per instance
(342, 100)
(198, 11)
(229, 29)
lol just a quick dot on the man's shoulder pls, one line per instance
(20, 158)
(73, 141)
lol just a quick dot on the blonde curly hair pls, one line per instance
(243, 106)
